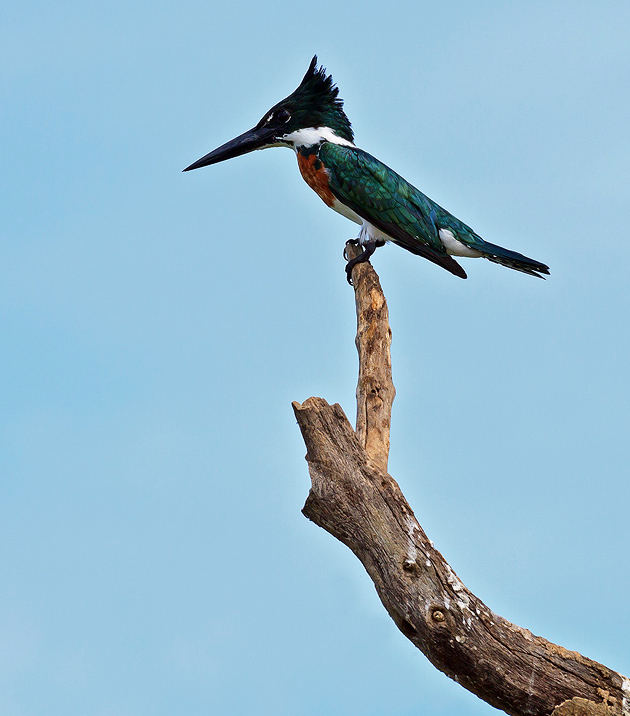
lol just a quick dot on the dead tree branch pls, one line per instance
(354, 499)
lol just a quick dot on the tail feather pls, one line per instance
(513, 260)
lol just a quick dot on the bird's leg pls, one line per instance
(369, 247)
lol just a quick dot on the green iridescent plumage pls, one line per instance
(388, 201)
(315, 103)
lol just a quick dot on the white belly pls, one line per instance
(370, 233)
(347, 212)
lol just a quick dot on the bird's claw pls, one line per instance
(351, 262)
(361, 258)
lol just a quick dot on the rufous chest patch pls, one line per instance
(316, 176)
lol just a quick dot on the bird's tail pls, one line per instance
(513, 260)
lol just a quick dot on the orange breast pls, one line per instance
(316, 176)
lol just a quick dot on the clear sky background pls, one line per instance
(155, 327)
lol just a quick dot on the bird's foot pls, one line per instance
(361, 258)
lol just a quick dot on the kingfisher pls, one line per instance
(312, 122)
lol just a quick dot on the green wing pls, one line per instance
(412, 220)
(376, 193)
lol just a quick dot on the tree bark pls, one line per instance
(354, 498)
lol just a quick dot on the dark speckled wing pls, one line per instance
(376, 193)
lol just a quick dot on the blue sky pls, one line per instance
(157, 325)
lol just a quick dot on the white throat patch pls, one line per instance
(315, 135)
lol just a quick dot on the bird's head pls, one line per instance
(309, 115)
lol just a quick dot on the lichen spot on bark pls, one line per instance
(316, 176)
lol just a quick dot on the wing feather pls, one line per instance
(381, 196)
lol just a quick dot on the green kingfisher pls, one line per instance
(311, 121)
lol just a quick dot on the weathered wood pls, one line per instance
(354, 499)
(375, 389)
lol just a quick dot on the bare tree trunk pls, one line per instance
(354, 499)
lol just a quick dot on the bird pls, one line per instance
(312, 122)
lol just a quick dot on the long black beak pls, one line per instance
(256, 138)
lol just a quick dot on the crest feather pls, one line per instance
(317, 101)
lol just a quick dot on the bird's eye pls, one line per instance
(283, 116)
